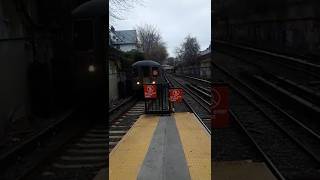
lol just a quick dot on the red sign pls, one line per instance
(220, 105)
(150, 91)
(175, 94)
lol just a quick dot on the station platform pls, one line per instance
(241, 170)
(162, 147)
(173, 147)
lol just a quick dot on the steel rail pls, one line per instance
(197, 79)
(293, 59)
(259, 95)
(121, 104)
(298, 142)
(269, 162)
(311, 69)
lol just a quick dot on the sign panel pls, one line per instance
(150, 91)
(220, 105)
(175, 94)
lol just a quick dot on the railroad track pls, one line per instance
(290, 92)
(294, 88)
(302, 65)
(203, 111)
(24, 158)
(287, 90)
(204, 91)
(262, 155)
(288, 144)
(84, 155)
(120, 125)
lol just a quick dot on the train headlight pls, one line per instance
(91, 68)
(153, 82)
(138, 82)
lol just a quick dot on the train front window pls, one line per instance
(83, 35)
(145, 71)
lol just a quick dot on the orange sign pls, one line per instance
(220, 105)
(150, 91)
(175, 94)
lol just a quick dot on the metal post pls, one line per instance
(145, 106)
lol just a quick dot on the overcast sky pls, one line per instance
(175, 19)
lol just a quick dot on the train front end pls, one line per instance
(145, 72)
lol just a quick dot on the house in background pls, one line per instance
(206, 51)
(205, 63)
(124, 40)
(202, 68)
(119, 42)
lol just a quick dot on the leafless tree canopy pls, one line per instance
(117, 8)
(170, 61)
(189, 49)
(151, 43)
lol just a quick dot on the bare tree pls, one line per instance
(151, 43)
(159, 53)
(189, 49)
(170, 61)
(117, 8)
(149, 37)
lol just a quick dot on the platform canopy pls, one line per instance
(93, 8)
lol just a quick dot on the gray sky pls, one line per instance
(175, 19)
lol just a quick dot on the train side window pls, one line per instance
(83, 35)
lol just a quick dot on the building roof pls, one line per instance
(206, 51)
(125, 37)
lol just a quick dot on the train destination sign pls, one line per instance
(150, 91)
(175, 94)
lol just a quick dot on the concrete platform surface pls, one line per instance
(162, 147)
(241, 170)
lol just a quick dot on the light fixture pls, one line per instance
(153, 82)
(91, 68)
(138, 82)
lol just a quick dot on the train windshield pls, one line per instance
(145, 71)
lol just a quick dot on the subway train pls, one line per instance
(89, 51)
(145, 72)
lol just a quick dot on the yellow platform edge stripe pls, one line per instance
(123, 164)
(196, 143)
